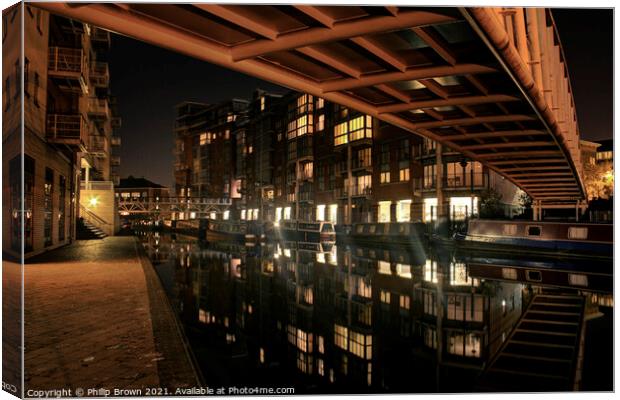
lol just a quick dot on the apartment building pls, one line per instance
(333, 163)
(205, 149)
(67, 131)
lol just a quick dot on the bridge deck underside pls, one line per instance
(423, 69)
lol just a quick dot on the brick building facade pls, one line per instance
(59, 81)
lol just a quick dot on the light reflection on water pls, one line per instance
(347, 320)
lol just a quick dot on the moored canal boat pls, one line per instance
(580, 274)
(308, 232)
(567, 239)
(400, 233)
(226, 230)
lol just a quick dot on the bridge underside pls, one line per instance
(432, 71)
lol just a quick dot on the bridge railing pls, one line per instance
(528, 42)
(176, 200)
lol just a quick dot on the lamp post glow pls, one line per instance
(93, 201)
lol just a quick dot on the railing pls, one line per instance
(100, 35)
(66, 126)
(356, 191)
(480, 180)
(62, 59)
(99, 74)
(98, 106)
(116, 122)
(306, 176)
(115, 160)
(98, 144)
(176, 200)
(115, 140)
(96, 220)
(306, 196)
(96, 185)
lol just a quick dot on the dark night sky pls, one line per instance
(149, 81)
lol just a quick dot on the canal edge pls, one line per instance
(156, 293)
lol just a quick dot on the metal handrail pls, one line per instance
(93, 218)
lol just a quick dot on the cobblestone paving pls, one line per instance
(11, 327)
(89, 320)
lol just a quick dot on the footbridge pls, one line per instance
(491, 83)
(165, 207)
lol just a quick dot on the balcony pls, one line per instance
(115, 161)
(306, 197)
(65, 62)
(98, 108)
(67, 129)
(116, 122)
(480, 180)
(98, 146)
(356, 191)
(99, 35)
(66, 66)
(97, 185)
(357, 166)
(115, 140)
(99, 74)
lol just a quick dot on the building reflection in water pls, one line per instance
(348, 320)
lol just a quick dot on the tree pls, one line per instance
(525, 201)
(599, 180)
(491, 204)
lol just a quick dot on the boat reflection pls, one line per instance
(344, 319)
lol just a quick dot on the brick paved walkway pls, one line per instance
(95, 318)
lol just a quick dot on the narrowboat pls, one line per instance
(186, 227)
(397, 233)
(538, 237)
(306, 232)
(580, 274)
(226, 230)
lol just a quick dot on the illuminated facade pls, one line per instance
(301, 157)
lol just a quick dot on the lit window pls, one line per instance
(341, 336)
(404, 174)
(226, 214)
(509, 230)
(320, 212)
(430, 271)
(577, 232)
(320, 124)
(403, 211)
(384, 211)
(405, 302)
(430, 209)
(262, 103)
(278, 215)
(578, 279)
(385, 297)
(385, 177)
(509, 273)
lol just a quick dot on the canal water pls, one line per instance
(352, 319)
